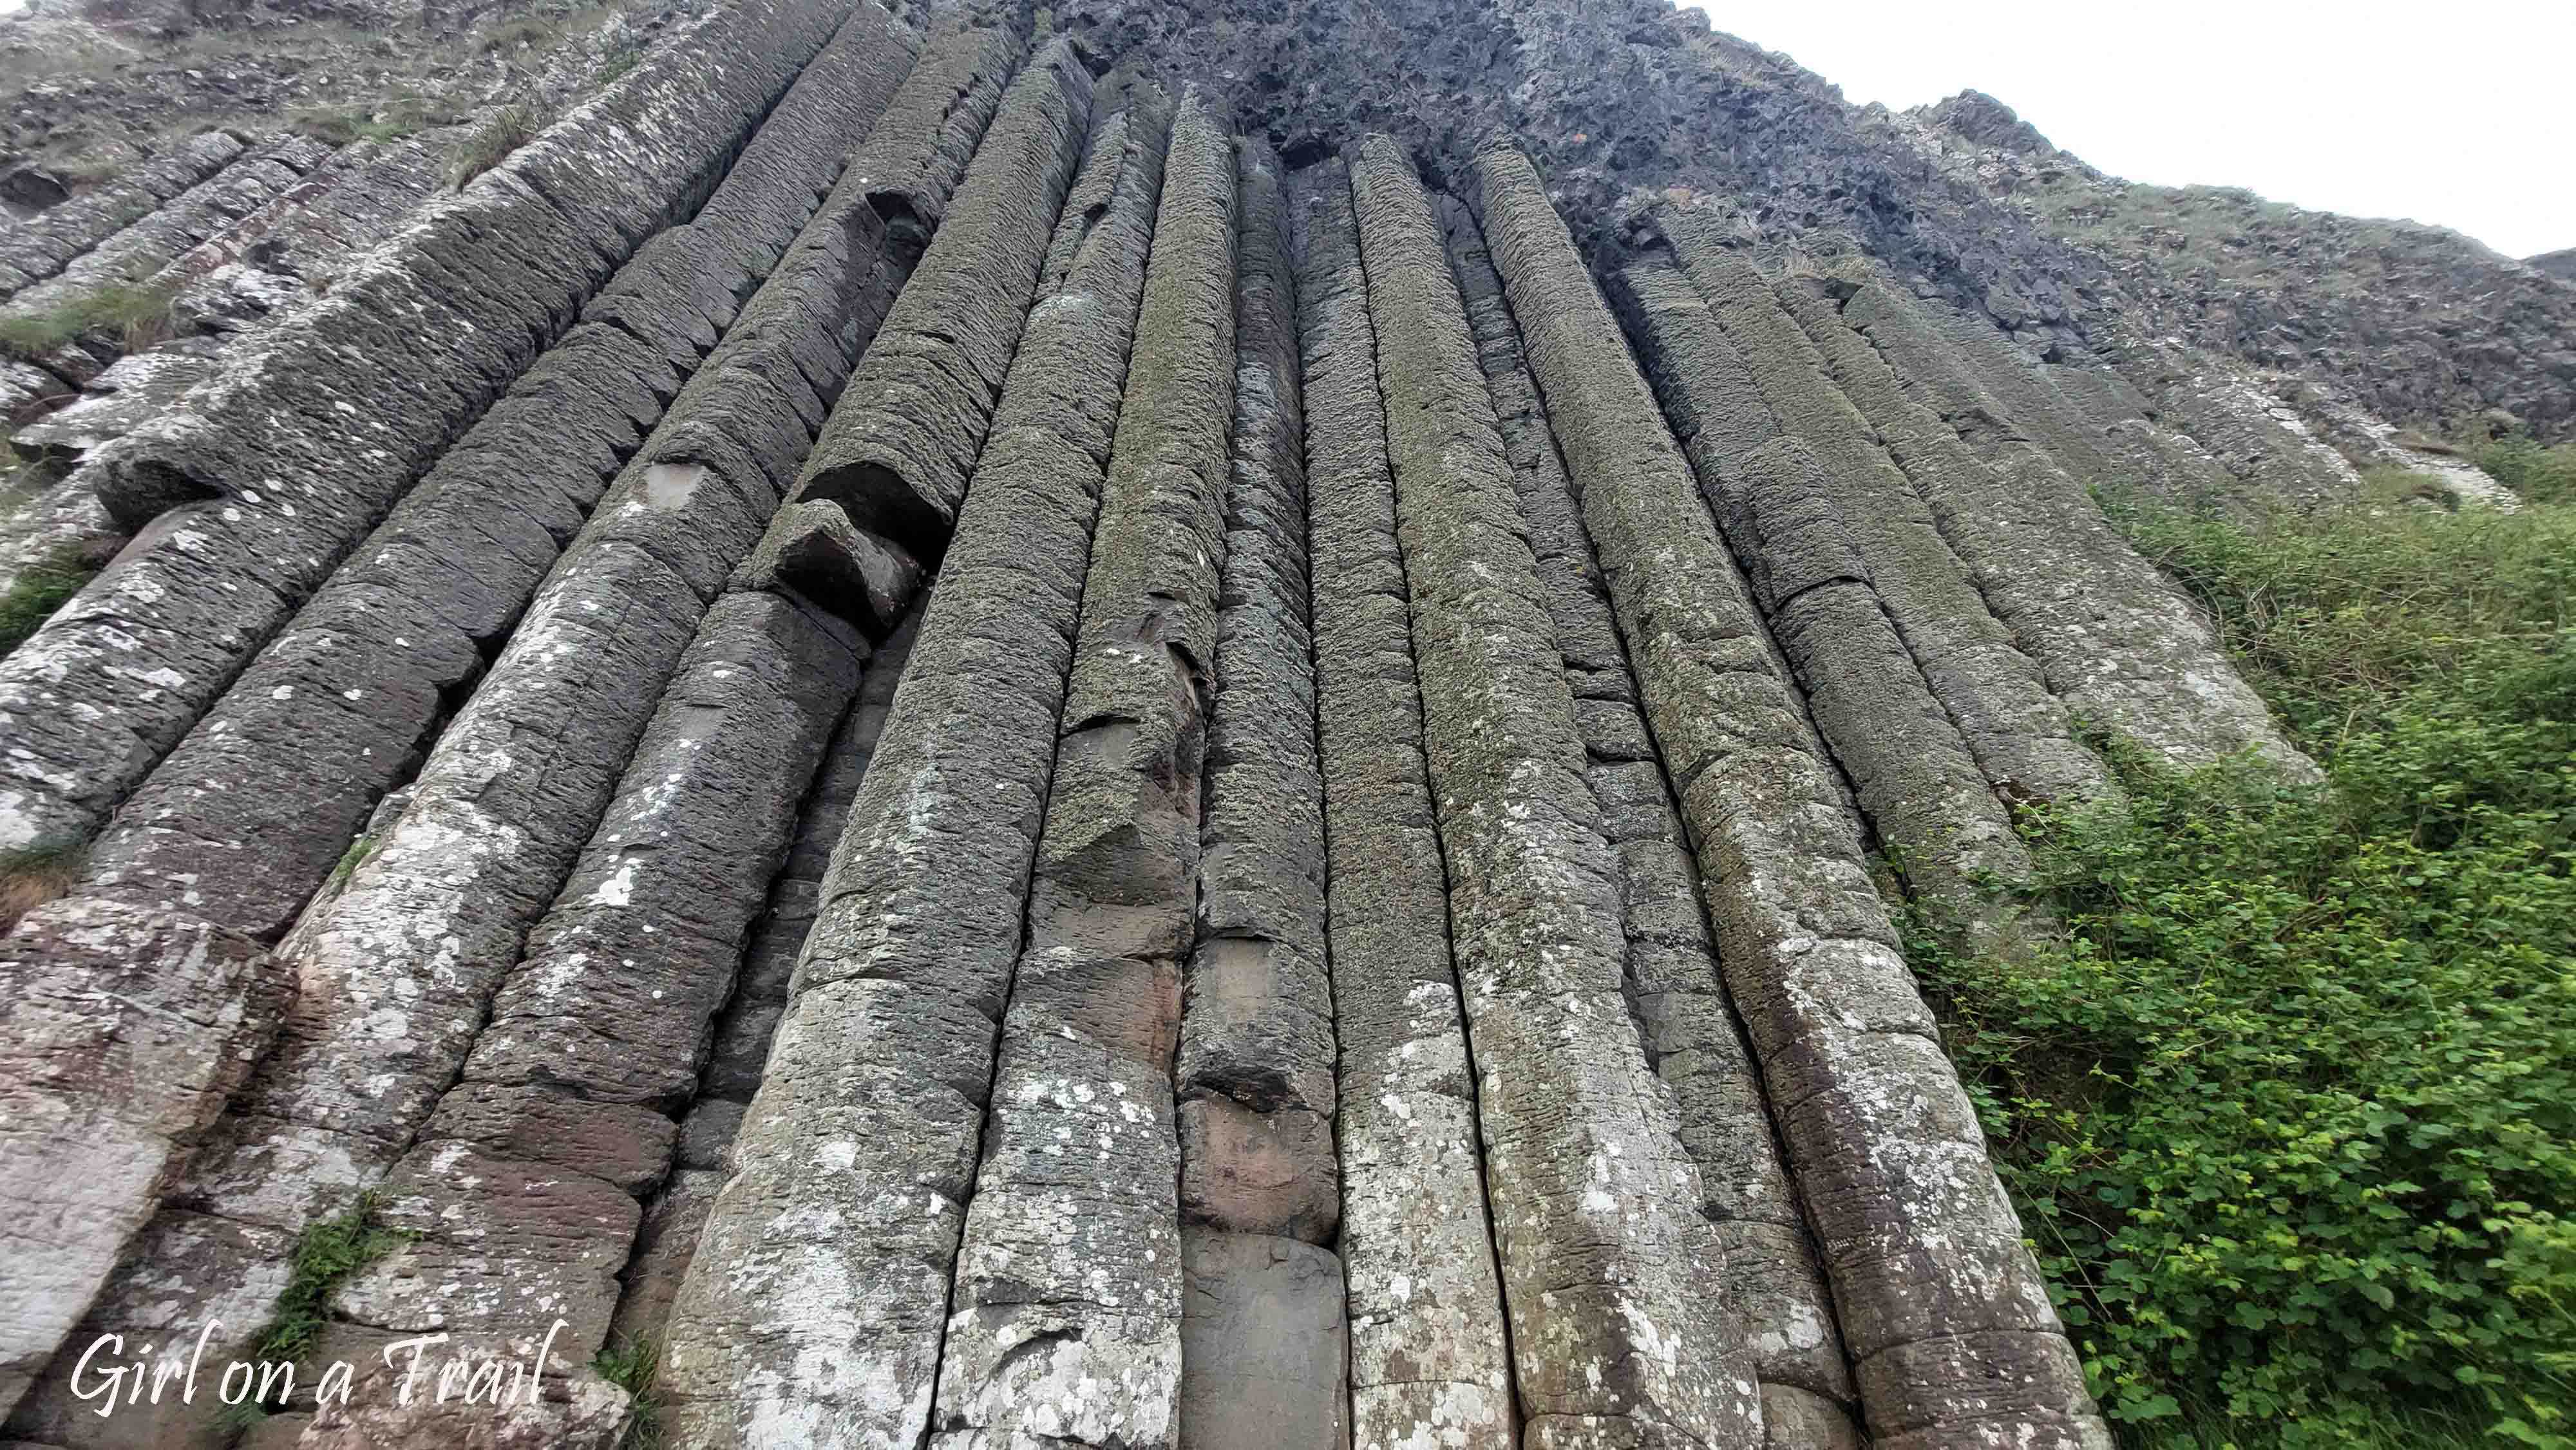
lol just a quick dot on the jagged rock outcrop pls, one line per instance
(997, 733)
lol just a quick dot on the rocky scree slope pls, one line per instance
(973, 745)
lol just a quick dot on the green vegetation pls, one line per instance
(2291, 1115)
(635, 1366)
(329, 1251)
(137, 315)
(2540, 474)
(512, 126)
(39, 590)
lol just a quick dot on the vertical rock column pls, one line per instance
(1952, 1338)
(814, 1309)
(2016, 730)
(2119, 643)
(1775, 1300)
(1429, 1360)
(397, 969)
(1263, 1351)
(1066, 1320)
(1605, 1255)
(1931, 805)
(882, 486)
(739, 1052)
(523, 1188)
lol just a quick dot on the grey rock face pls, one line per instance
(1877, 1129)
(1774, 1298)
(1261, 1343)
(1066, 1318)
(1912, 771)
(824, 1318)
(311, 436)
(261, 798)
(38, 248)
(1596, 1209)
(1428, 1362)
(193, 216)
(524, 1183)
(124, 1031)
(897, 453)
(1255, 1070)
(2017, 732)
(2118, 643)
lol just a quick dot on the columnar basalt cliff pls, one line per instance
(1129, 726)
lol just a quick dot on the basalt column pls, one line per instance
(524, 1187)
(2013, 726)
(1428, 1358)
(877, 498)
(1606, 1259)
(816, 1303)
(398, 965)
(1066, 1320)
(1952, 1338)
(1945, 826)
(260, 800)
(1775, 1299)
(739, 1051)
(1263, 1350)
(266, 796)
(250, 496)
(2118, 641)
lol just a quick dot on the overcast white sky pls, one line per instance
(2461, 114)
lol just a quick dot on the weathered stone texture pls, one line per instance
(1066, 1318)
(1255, 1071)
(1948, 1324)
(201, 212)
(836, 1232)
(524, 1185)
(1263, 1345)
(1603, 1249)
(327, 418)
(1912, 772)
(397, 964)
(1773, 1295)
(1428, 1363)
(260, 799)
(42, 245)
(122, 1030)
(2119, 643)
(898, 450)
(2017, 731)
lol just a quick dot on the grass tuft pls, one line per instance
(512, 126)
(635, 1366)
(39, 590)
(30, 878)
(136, 315)
(327, 1253)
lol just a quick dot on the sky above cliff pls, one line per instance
(2456, 115)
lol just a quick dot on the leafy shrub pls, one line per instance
(2291, 1114)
